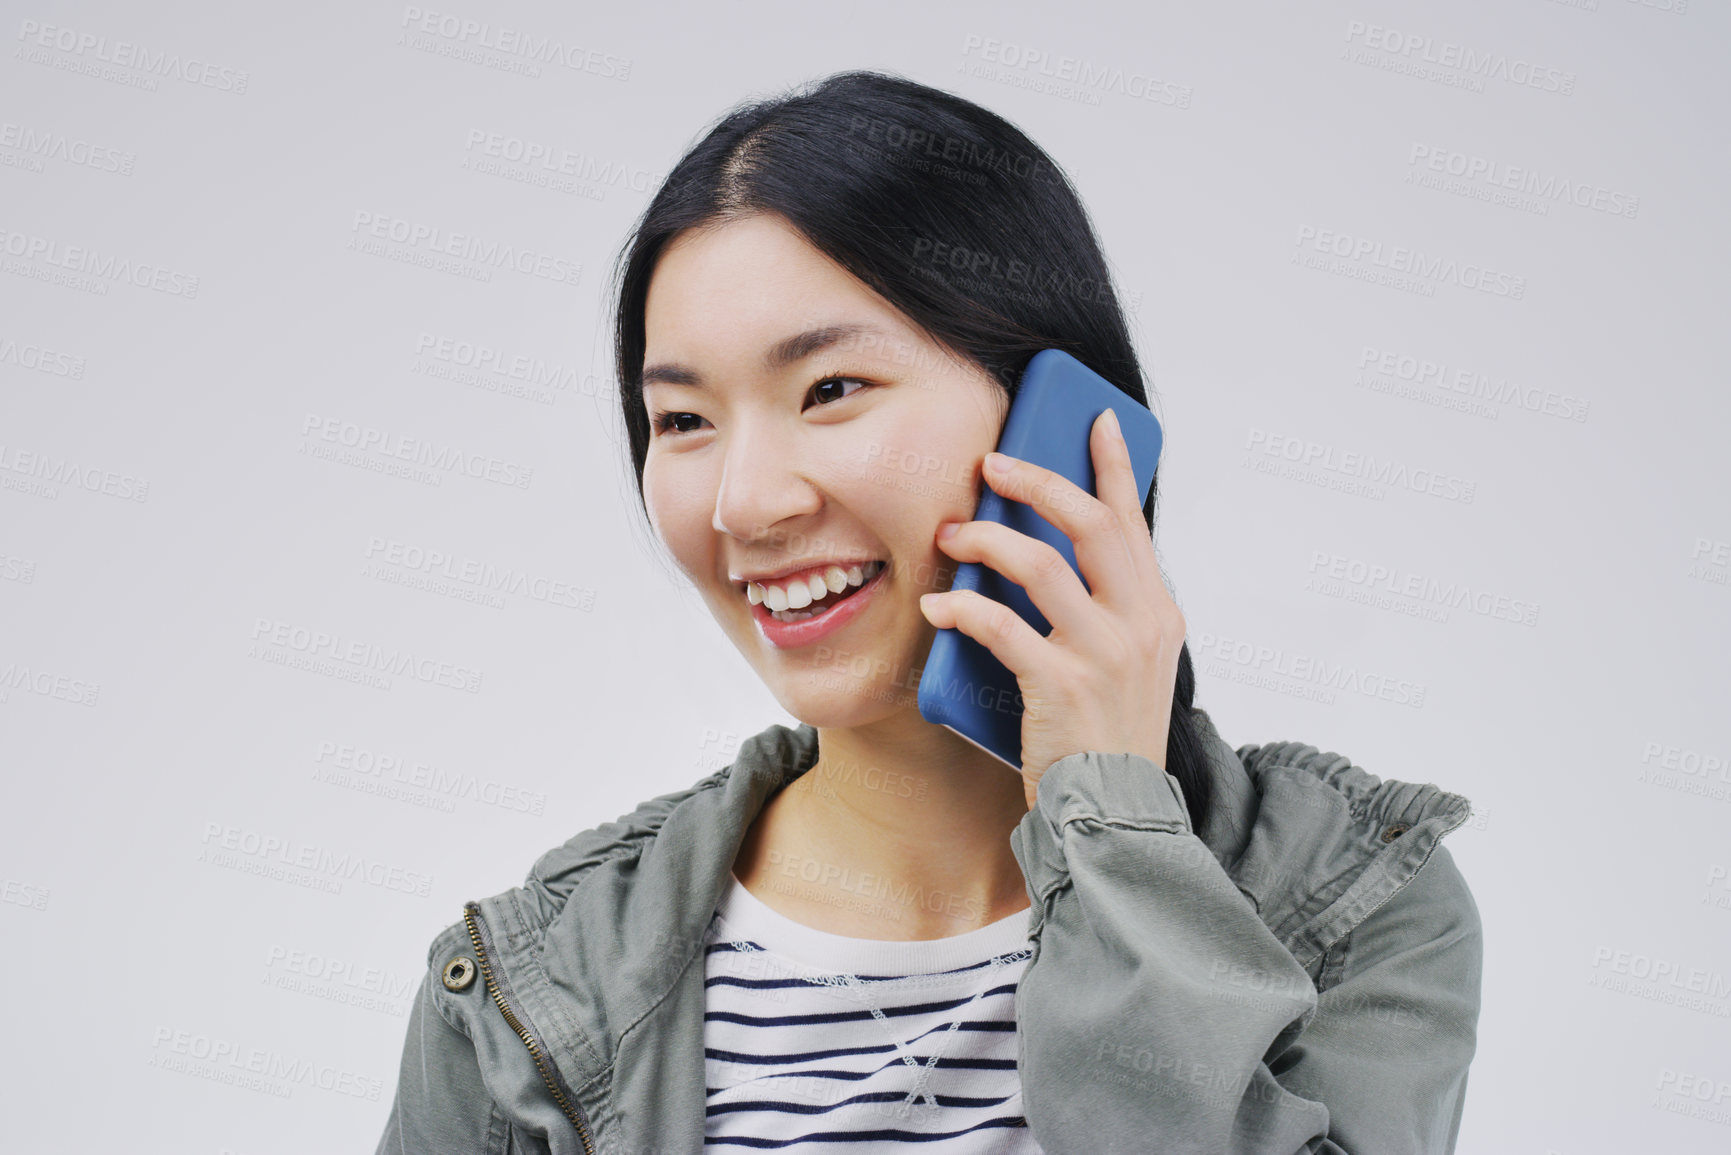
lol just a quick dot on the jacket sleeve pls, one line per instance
(441, 1106)
(1160, 1012)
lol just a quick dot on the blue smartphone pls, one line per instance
(962, 685)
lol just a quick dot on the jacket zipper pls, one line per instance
(572, 1111)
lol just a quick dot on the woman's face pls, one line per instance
(808, 421)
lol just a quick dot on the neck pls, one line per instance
(900, 830)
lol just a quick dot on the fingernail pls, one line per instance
(948, 530)
(997, 463)
(1113, 415)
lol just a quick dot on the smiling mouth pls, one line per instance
(772, 597)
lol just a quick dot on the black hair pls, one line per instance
(945, 209)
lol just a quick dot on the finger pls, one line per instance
(992, 624)
(1094, 530)
(1039, 569)
(1115, 482)
(1114, 473)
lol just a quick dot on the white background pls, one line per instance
(164, 509)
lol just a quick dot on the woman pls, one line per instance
(866, 933)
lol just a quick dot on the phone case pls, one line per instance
(962, 685)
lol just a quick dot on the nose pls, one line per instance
(762, 485)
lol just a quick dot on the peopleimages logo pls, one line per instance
(416, 451)
(1710, 561)
(526, 46)
(433, 241)
(45, 144)
(87, 46)
(303, 863)
(1070, 76)
(1298, 674)
(23, 894)
(102, 268)
(47, 683)
(278, 642)
(344, 764)
(557, 161)
(950, 154)
(533, 371)
(261, 1069)
(1470, 384)
(959, 264)
(1365, 469)
(1357, 580)
(1413, 50)
(40, 359)
(339, 980)
(1498, 177)
(481, 575)
(1660, 979)
(1411, 262)
(45, 473)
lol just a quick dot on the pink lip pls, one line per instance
(791, 635)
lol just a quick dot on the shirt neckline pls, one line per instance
(745, 916)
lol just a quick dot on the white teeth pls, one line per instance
(796, 594)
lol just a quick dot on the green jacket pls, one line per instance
(1304, 977)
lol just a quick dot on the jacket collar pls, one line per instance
(1297, 829)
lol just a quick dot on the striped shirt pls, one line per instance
(815, 1041)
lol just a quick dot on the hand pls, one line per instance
(1103, 679)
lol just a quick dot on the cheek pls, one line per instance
(920, 475)
(678, 513)
(927, 472)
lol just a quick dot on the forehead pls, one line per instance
(748, 284)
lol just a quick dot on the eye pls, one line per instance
(666, 420)
(834, 380)
(663, 421)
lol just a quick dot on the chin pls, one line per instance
(834, 700)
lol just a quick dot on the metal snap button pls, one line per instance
(459, 973)
(1395, 831)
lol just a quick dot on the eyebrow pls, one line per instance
(787, 351)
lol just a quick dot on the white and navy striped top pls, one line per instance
(816, 1041)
